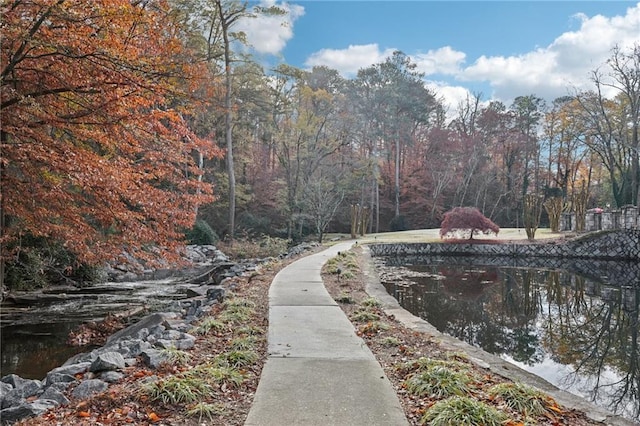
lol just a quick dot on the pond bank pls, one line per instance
(494, 363)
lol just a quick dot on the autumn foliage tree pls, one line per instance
(466, 220)
(96, 152)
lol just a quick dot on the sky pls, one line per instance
(499, 49)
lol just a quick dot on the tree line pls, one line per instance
(124, 122)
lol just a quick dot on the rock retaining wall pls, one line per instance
(606, 245)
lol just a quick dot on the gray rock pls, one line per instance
(135, 347)
(216, 292)
(107, 361)
(187, 342)
(53, 378)
(132, 331)
(111, 376)
(171, 335)
(130, 362)
(72, 369)
(14, 380)
(27, 387)
(5, 388)
(196, 291)
(88, 388)
(27, 409)
(153, 357)
(53, 394)
(78, 359)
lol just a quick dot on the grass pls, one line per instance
(219, 375)
(373, 327)
(243, 343)
(182, 389)
(460, 410)
(248, 330)
(390, 341)
(236, 358)
(343, 264)
(371, 302)
(176, 356)
(364, 315)
(209, 324)
(206, 410)
(438, 382)
(345, 299)
(522, 398)
(426, 364)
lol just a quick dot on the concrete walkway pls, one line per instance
(318, 371)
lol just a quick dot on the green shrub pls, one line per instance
(202, 234)
(398, 223)
(364, 315)
(39, 262)
(177, 389)
(205, 409)
(462, 410)
(523, 398)
(344, 298)
(236, 358)
(438, 381)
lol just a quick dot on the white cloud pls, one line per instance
(440, 61)
(348, 61)
(270, 33)
(566, 63)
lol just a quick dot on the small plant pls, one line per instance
(390, 341)
(371, 302)
(177, 389)
(438, 381)
(235, 316)
(237, 310)
(209, 324)
(364, 315)
(345, 299)
(176, 356)
(425, 364)
(236, 358)
(205, 409)
(248, 330)
(462, 410)
(218, 374)
(347, 275)
(522, 398)
(238, 302)
(373, 327)
(243, 343)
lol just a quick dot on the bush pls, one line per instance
(202, 234)
(398, 223)
(253, 225)
(39, 262)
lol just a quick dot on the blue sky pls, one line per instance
(502, 49)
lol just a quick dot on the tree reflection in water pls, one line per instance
(580, 333)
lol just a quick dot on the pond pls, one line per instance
(579, 332)
(33, 334)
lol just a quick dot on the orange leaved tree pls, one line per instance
(96, 153)
(467, 220)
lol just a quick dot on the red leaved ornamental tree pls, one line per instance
(466, 220)
(95, 150)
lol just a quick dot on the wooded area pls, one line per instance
(124, 121)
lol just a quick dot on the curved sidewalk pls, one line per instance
(318, 371)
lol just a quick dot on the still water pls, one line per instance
(579, 333)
